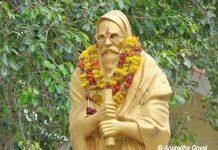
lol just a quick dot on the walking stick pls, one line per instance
(107, 95)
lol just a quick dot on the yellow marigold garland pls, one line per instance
(93, 81)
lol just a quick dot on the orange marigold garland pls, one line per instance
(93, 81)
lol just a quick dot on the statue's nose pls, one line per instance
(108, 41)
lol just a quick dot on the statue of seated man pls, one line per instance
(135, 115)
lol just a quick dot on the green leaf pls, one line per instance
(78, 39)
(138, 25)
(59, 17)
(47, 81)
(4, 71)
(6, 48)
(44, 111)
(32, 48)
(20, 143)
(216, 101)
(62, 69)
(172, 102)
(86, 27)
(6, 111)
(42, 45)
(35, 102)
(51, 88)
(191, 138)
(179, 99)
(84, 36)
(68, 50)
(121, 4)
(182, 28)
(187, 62)
(72, 68)
(14, 65)
(59, 89)
(188, 118)
(149, 24)
(4, 58)
(194, 28)
(24, 98)
(145, 44)
(35, 92)
(68, 105)
(216, 123)
(7, 9)
(48, 64)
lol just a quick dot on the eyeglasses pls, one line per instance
(112, 36)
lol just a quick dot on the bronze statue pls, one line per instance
(119, 96)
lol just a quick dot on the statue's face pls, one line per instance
(109, 37)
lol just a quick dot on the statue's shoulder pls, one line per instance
(75, 74)
(148, 59)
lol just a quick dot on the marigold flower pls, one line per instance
(97, 74)
(133, 69)
(91, 48)
(126, 50)
(129, 59)
(82, 76)
(95, 66)
(123, 56)
(120, 61)
(84, 54)
(120, 72)
(93, 87)
(101, 84)
(114, 91)
(129, 79)
(130, 54)
(111, 82)
(132, 41)
(84, 84)
(123, 93)
(127, 85)
(92, 79)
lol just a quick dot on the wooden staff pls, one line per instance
(107, 95)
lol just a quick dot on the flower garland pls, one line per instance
(93, 81)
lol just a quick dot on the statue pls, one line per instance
(119, 96)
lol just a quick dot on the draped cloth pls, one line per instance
(119, 18)
(146, 104)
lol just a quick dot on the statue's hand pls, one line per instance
(114, 127)
(107, 111)
(110, 128)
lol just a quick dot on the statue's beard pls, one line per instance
(109, 58)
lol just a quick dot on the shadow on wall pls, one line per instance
(205, 134)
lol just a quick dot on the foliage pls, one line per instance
(40, 42)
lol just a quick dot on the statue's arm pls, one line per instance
(91, 123)
(154, 124)
(131, 130)
(114, 127)
(78, 117)
(148, 125)
(148, 121)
